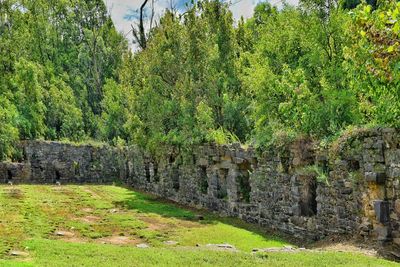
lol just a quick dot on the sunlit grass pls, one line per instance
(30, 215)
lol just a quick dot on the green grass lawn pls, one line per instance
(102, 225)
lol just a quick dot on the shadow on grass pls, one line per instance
(148, 203)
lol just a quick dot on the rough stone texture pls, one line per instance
(355, 190)
(49, 162)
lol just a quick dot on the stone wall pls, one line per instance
(50, 162)
(352, 188)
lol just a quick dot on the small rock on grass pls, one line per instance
(64, 233)
(279, 249)
(143, 245)
(222, 246)
(17, 253)
(170, 242)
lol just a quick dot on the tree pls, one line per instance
(373, 62)
(28, 98)
(8, 132)
(63, 116)
(114, 116)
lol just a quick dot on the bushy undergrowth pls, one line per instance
(312, 70)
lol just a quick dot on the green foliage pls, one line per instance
(114, 114)
(312, 70)
(184, 86)
(373, 62)
(55, 57)
(321, 175)
(63, 118)
(293, 92)
(9, 134)
(29, 99)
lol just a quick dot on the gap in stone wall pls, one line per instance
(147, 171)
(156, 176)
(203, 178)
(171, 159)
(57, 177)
(9, 176)
(222, 192)
(244, 188)
(76, 168)
(308, 198)
(175, 178)
(354, 165)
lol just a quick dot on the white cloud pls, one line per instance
(119, 9)
(243, 8)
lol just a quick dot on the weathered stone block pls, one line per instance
(394, 171)
(383, 233)
(392, 156)
(238, 160)
(296, 210)
(397, 206)
(373, 155)
(374, 177)
(203, 162)
(346, 191)
(381, 211)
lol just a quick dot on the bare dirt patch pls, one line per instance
(92, 193)
(118, 240)
(154, 224)
(89, 219)
(87, 210)
(13, 193)
(63, 190)
(69, 236)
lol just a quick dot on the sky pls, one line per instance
(122, 10)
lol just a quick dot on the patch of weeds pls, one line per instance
(262, 255)
(355, 177)
(321, 175)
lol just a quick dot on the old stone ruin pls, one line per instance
(350, 189)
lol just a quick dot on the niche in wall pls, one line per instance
(9, 176)
(354, 165)
(222, 192)
(203, 179)
(76, 166)
(156, 176)
(175, 178)
(147, 171)
(57, 177)
(308, 197)
(243, 182)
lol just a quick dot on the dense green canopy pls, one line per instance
(314, 70)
